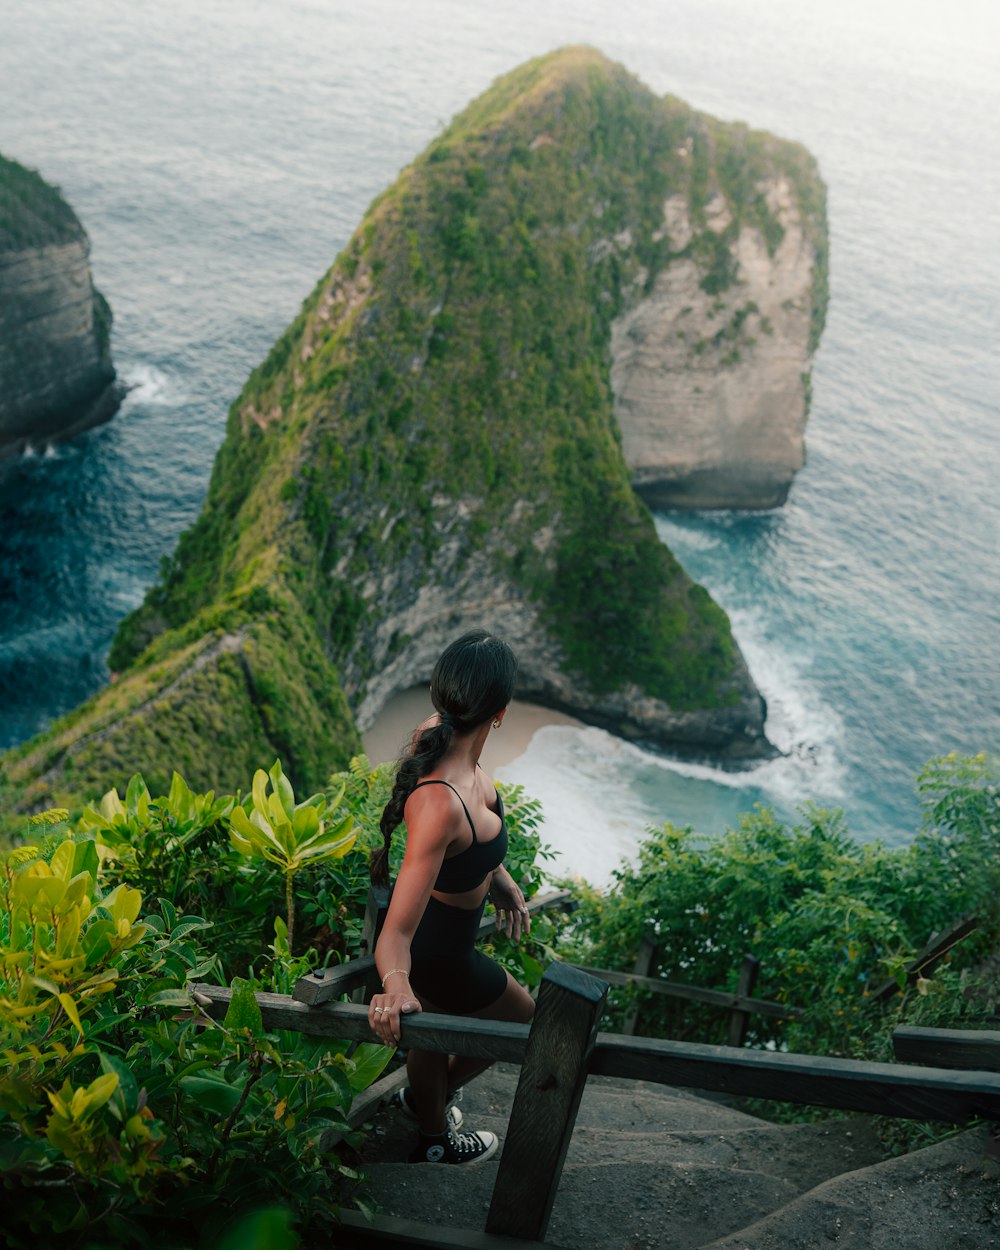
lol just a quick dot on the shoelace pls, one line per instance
(467, 1143)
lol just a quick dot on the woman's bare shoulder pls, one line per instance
(434, 807)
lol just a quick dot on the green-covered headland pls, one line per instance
(432, 445)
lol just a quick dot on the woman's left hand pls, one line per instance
(512, 916)
(384, 1012)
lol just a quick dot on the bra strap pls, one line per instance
(439, 781)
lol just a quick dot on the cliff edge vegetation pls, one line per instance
(432, 445)
(55, 326)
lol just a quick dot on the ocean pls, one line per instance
(220, 156)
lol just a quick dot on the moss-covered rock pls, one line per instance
(432, 445)
(55, 326)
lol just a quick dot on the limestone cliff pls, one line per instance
(432, 445)
(56, 377)
(711, 365)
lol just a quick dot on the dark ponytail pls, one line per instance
(472, 681)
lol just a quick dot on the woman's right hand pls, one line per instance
(385, 1010)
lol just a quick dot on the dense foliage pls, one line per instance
(124, 1108)
(829, 918)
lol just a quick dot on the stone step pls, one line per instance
(647, 1166)
(944, 1197)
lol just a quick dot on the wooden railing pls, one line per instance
(562, 1047)
(740, 1005)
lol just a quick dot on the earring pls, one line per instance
(496, 722)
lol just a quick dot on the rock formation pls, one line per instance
(432, 445)
(56, 377)
(711, 368)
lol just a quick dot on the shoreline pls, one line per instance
(388, 736)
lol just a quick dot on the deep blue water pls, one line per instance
(220, 155)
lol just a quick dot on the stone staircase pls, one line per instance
(651, 1168)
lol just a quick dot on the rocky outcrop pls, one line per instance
(56, 376)
(710, 369)
(432, 446)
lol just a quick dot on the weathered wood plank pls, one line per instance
(716, 998)
(365, 1104)
(929, 958)
(553, 1076)
(326, 984)
(450, 1035)
(644, 962)
(976, 1049)
(739, 1020)
(847, 1084)
(385, 1231)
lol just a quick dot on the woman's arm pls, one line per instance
(430, 826)
(508, 902)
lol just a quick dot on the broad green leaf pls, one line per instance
(123, 903)
(282, 787)
(244, 1010)
(126, 1100)
(69, 1006)
(61, 864)
(259, 790)
(269, 1228)
(369, 1060)
(111, 807)
(213, 1091)
(170, 998)
(137, 799)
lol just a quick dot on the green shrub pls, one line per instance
(828, 918)
(125, 1112)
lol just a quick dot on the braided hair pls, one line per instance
(472, 681)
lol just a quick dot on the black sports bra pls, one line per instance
(472, 866)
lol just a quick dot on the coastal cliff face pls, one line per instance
(431, 446)
(56, 376)
(710, 371)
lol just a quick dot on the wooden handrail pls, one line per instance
(847, 1084)
(966, 1049)
(929, 958)
(715, 998)
(494, 1040)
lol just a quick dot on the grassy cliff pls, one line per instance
(431, 444)
(33, 213)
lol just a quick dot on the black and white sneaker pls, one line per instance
(453, 1114)
(452, 1147)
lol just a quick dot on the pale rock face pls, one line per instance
(420, 611)
(56, 376)
(710, 390)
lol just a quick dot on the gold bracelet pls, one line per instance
(405, 971)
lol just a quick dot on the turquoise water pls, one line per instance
(220, 155)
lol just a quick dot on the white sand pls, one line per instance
(401, 715)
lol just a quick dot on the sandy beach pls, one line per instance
(400, 716)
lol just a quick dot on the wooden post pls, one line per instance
(375, 911)
(644, 962)
(553, 1074)
(739, 1020)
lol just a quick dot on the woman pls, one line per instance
(455, 844)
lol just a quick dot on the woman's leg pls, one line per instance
(514, 1004)
(433, 1077)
